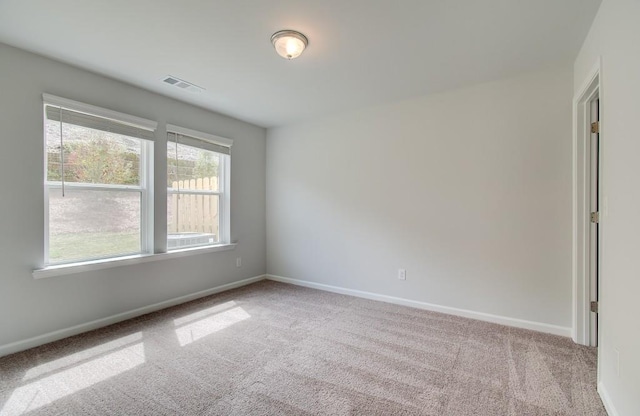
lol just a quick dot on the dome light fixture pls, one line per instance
(289, 44)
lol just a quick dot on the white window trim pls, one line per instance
(224, 185)
(86, 266)
(145, 188)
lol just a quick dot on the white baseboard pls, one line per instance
(503, 320)
(606, 400)
(98, 323)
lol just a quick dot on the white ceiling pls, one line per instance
(361, 52)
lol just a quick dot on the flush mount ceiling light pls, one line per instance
(289, 44)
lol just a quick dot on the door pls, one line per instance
(594, 228)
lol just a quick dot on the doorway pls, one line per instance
(588, 215)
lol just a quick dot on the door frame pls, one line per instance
(591, 88)
(594, 206)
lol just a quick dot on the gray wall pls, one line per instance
(469, 190)
(31, 307)
(614, 39)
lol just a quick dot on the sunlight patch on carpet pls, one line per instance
(83, 355)
(207, 326)
(204, 313)
(47, 390)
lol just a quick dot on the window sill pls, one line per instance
(71, 268)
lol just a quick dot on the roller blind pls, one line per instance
(199, 143)
(55, 113)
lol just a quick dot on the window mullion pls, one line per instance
(148, 212)
(173, 191)
(94, 187)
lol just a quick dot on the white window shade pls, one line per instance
(55, 113)
(111, 115)
(197, 139)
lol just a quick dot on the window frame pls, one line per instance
(144, 188)
(223, 192)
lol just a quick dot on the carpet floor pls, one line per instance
(277, 349)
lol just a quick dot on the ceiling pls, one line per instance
(361, 52)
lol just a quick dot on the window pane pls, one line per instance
(92, 156)
(192, 168)
(92, 224)
(192, 220)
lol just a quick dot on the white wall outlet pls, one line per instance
(238, 261)
(402, 274)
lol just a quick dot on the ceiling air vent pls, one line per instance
(183, 85)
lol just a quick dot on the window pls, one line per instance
(197, 188)
(97, 183)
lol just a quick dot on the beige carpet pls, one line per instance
(276, 349)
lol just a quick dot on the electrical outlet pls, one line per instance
(239, 262)
(402, 274)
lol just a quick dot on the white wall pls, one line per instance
(469, 190)
(615, 36)
(31, 307)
